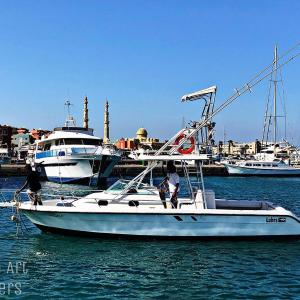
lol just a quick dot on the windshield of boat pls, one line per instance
(121, 184)
(118, 185)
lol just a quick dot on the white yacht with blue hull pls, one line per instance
(74, 155)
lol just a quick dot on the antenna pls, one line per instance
(68, 104)
(70, 121)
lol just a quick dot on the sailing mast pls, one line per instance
(275, 95)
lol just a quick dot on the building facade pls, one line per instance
(237, 149)
(6, 133)
(141, 140)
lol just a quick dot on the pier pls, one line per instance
(14, 170)
(135, 169)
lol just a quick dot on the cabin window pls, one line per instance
(47, 147)
(248, 165)
(93, 142)
(73, 141)
(59, 142)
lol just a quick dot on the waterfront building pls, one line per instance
(6, 132)
(37, 134)
(141, 140)
(236, 148)
(21, 141)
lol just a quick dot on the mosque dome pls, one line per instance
(142, 133)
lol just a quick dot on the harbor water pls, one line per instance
(36, 264)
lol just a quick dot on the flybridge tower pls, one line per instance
(106, 124)
(205, 137)
(86, 114)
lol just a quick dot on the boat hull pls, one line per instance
(169, 225)
(77, 170)
(250, 171)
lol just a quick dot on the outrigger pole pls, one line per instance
(247, 87)
(266, 72)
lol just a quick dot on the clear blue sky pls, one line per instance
(143, 56)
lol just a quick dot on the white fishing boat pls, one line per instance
(135, 208)
(72, 154)
(131, 208)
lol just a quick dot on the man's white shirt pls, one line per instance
(173, 179)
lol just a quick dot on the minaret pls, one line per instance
(86, 114)
(106, 124)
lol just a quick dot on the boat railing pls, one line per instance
(10, 195)
(66, 152)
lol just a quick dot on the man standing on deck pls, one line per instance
(172, 180)
(33, 184)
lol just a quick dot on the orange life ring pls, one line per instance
(184, 150)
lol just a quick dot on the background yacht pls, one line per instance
(273, 159)
(72, 154)
(5, 157)
(261, 168)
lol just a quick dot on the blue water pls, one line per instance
(64, 267)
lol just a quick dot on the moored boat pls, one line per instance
(72, 154)
(5, 157)
(273, 159)
(260, 168)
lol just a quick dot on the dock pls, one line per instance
(135, 169)
(15, 170)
